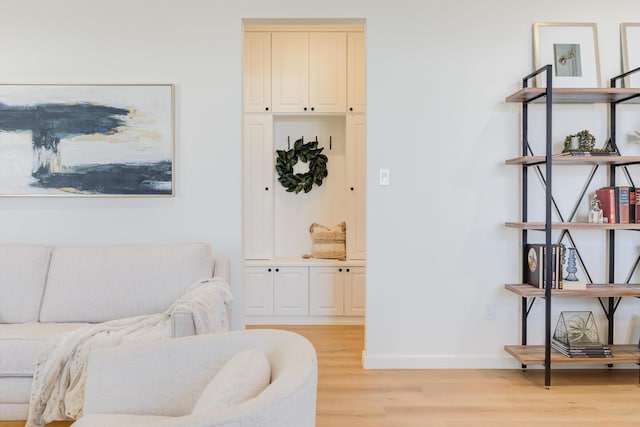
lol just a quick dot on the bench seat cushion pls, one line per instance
(21, 344)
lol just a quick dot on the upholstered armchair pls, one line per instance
(255, 377)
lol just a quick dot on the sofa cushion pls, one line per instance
(23, 270)
(22, 343)
(241, 378)
(101, 283)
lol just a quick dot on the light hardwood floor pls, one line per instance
(349, 396)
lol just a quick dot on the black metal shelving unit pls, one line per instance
(609, 294)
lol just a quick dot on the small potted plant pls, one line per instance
(581, 141)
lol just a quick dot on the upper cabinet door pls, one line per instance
(356, 65)
(257, 72)
(328, 72)
(290, 72)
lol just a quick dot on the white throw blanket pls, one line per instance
(57, 391)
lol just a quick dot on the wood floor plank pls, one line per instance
(349, 395)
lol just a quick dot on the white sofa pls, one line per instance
(46, 292)
(158, 384)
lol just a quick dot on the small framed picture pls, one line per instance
(572, 50)
(630, 37)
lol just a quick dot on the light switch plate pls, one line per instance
(384, 176)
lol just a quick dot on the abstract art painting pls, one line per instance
(86, 140)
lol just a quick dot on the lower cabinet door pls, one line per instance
(258, 291)
(291, 291)
(326, 291)
(355, 286)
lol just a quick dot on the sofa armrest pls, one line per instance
(157, 378)
(222, 268)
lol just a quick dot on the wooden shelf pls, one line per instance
(593, 291)
(571, 226)
(575, 160)
(534, 355)
(578, 95)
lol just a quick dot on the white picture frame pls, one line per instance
(572, 50)
(630, 42)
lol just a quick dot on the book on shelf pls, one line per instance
(622, 199)
(619, 204)
(607, 197)
(576, 335)
(534, 255)
(570, 285)
(631, 209)
(636, 207)
(595, 350)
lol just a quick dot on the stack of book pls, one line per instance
(576, 335)
(534, 265)
(620, 204)
(582, 350)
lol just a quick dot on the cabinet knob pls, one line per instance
(266, 109)
(305, 108)
(266, 188)
(348, 270)
(340, 270)
(350, 108)
(312, 109)
(352, 188)
(277, 269)
(269, 270)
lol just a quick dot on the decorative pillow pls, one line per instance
(241, 378)
(329, 242)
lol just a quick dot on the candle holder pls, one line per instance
(571, 266)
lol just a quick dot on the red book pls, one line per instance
(607, 197)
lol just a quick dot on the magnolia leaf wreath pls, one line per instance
(307, 153)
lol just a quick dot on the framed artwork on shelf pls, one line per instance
(630, 38)
(86, 140)
(572, 49)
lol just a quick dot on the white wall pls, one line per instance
(438, 73)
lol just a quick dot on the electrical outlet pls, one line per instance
(489, 312)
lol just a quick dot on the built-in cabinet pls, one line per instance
(337, 291)
(309, 72)
(304, 294)
(296, 79)
(304, 72)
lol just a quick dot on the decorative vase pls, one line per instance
(571, 266)
(575, 143)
